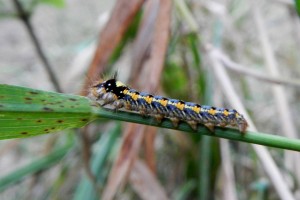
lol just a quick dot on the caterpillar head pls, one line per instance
(108, 91)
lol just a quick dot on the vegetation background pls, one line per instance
(233, 53)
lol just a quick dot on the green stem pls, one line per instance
(205, 168)
(227, 133)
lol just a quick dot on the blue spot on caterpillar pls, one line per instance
(118, 95)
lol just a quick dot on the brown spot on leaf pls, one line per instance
(33, 92)
(46, 130)
(60, 121)
(47, 109)
(84, 120)
(39, 121)
(28, 98)
(72, 99)
(24, 133)
(52, 128)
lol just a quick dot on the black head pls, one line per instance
(115, 87)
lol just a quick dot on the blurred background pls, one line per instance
(230, 53)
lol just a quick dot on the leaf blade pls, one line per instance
(28, 112)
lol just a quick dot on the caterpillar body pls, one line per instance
(118, 95)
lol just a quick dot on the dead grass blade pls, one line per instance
(149, 138)
(145, 183)
(151, 69)
(131, 142)
(280, 95)
(154, 67)
(120, 19)
(262, 153)
(229, 190)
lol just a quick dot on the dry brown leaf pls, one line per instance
(154, 67)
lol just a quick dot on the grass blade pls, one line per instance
(85, 189)
(43, 163)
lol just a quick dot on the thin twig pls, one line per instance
(281, 101)
(227, 62)
(25, 17)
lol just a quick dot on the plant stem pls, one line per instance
(227, 133)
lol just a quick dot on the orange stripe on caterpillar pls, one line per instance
(119, 95)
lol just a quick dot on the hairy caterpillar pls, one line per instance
(118, 95)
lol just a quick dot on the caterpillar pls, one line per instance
(118, 95)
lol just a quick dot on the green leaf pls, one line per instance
(55, 3)
(297, 6)
(27, 112)
(184, 191)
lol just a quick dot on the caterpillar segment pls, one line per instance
(118, 95)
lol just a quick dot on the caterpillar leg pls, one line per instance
(102, 104)
(242, 127)
(175, 121)
(158, 118)
(143, 111)
(117, 105)
(96, 104)
(106, 99)
(210, 127)
(193, 125)
(222, 125)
